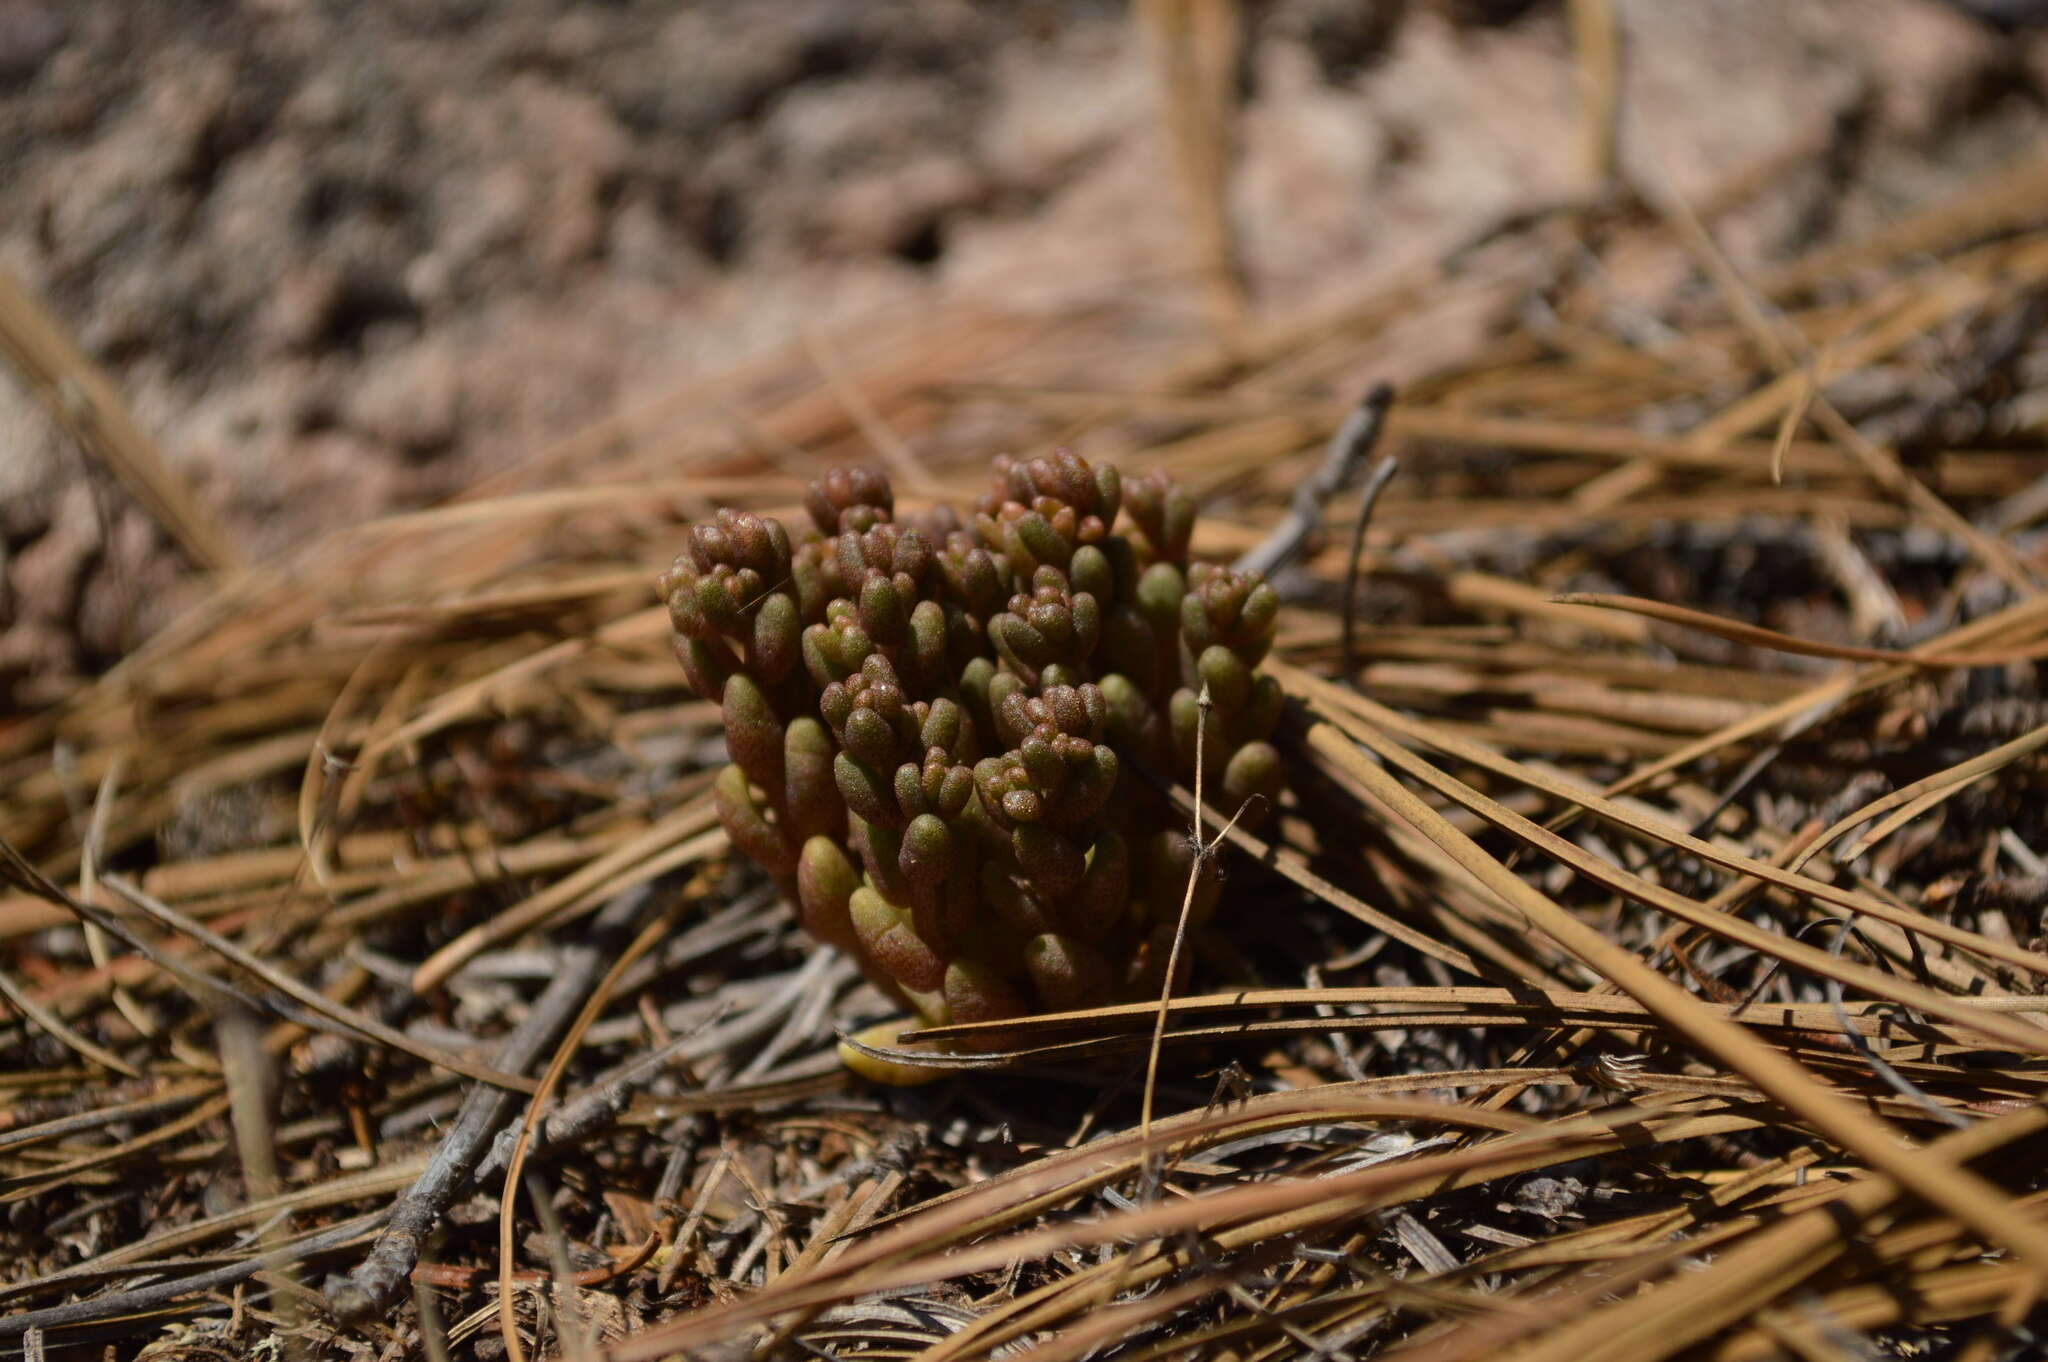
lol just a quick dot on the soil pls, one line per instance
(346, 258)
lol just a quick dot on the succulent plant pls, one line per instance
(931, 722)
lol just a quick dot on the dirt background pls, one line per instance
(348, 257)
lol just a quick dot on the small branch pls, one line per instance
(599, 1105)
(1898, 1082)
(377, 1282)
(600, 994)
(1347, 452)
(157, 1295)
(1382, 474)
(1204, 851)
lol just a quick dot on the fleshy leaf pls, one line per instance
(825, 882)
(887, 939)
(746, 822)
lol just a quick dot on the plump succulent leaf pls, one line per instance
(1254, 773)
(868, 793)
(811, 798)
(926, 855)
(778, 638)
(1105, 892)
(977, 993)
(825, 883)
(1067, 973)
(886, 1035)
(888, 938)
(753, 733)
(748, 824)
(934, 720)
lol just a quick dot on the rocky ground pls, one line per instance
(346, 258)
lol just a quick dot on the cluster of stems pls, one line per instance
(932, 723)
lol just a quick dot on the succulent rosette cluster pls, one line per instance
(932, 723)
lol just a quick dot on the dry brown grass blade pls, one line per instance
(1596, 42)
(21, 1186)
(350, 1022)
(431, 879)
(1117, 1322)
(1735, 631)
(1290, 863)
(902, 460)
(249, 1077)
(1969, 1198)
(1694, 1306)
(86, 403)
(2029, 1040)
(1203, 849)
(1910, 801)
(1129, 1019)
(1186, 1134)
(1926, 1297)
(2011, 193)
(54, 1026)
(465, 701)
(679, 839)
(1196, 49)
(166, 1246)
(1584, 440)
(904, 1256)
(1780, 344)
(1341, 705)
(2025, 616)
(1349, 1197)
(1958, 287)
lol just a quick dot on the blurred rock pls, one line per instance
(2016, 12)
(30, 30)
(411, 400)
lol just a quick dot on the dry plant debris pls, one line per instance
(1614, 984)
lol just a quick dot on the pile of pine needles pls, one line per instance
(1631, 978)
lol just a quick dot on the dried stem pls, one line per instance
(380, 1278)
(1347, 452)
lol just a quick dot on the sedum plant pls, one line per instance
(932, 723)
